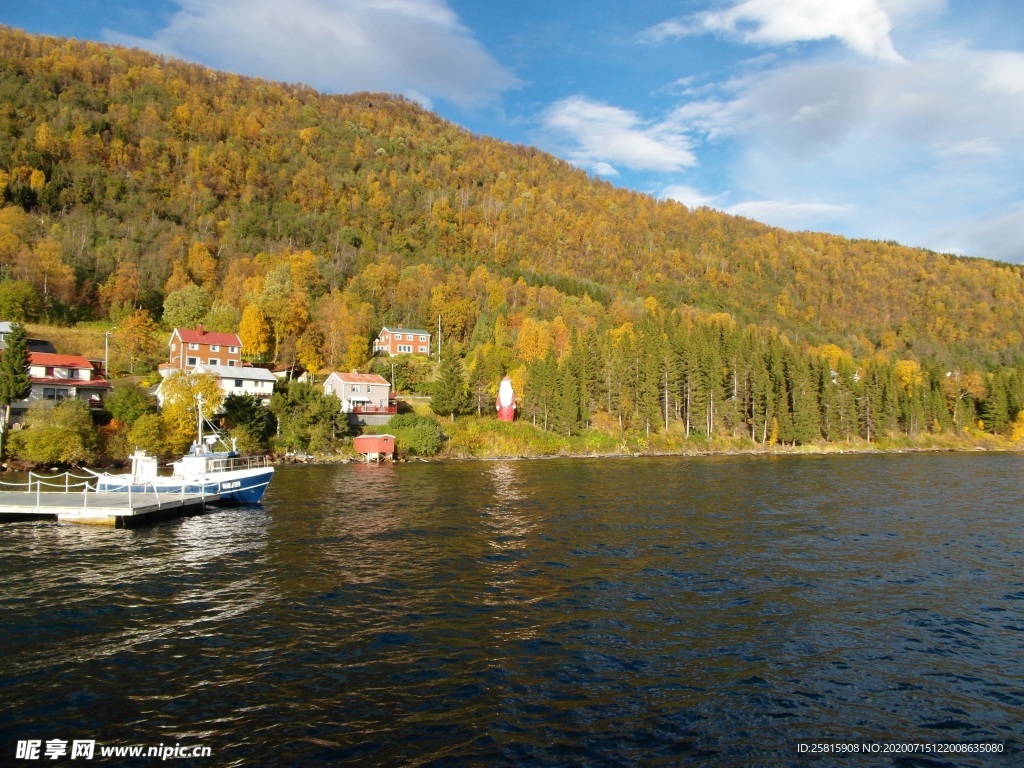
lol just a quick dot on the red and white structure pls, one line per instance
(191, 347)
(375, 447)
(402, 341)
(63, 377)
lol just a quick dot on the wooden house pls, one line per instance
(190, 347)
(365, 397)
(375, 447)
(402, 341)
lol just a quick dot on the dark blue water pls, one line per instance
(664, 611)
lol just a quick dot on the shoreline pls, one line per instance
(774, 451)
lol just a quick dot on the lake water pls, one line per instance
(655, 611)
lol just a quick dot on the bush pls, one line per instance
(60, 433)
(416, 435)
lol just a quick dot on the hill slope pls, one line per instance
(119, 157)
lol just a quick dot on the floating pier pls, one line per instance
(70, 499)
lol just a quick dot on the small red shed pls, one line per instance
(375, 447)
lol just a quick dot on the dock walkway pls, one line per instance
(74, 500)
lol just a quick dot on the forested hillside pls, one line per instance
(307, 221)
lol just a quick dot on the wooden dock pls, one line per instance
(122, 510)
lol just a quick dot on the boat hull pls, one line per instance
(243, 486)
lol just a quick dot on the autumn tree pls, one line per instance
(254, 333)
(186, 307)
(137, 337)
(181, 394)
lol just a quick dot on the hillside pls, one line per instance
(119, 156)
(132, 181)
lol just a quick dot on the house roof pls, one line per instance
(361, 378)
(403, 330)
(238, 372)
(198, 336)
(60, 361)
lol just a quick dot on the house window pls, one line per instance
(423, 350)
(231, 363)
(193, 346)
(214, 361)
(49, 372)
(355, 387)
(238, 383)
(233, 350)
(423, 338)
(215, 347)
(53, 393)
(405, 347)
(192, 361)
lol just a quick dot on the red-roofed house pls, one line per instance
(189, 348)
(61, 377)
(365, 397)
(402, 341)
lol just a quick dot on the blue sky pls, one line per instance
(884, 119)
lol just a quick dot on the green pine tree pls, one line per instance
(14, 375)
(451, 395)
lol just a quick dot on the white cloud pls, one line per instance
(600, 137)
(861, 25)
(923, 153)
(605, 169)
(415, 47)
(791, 215)
(688, 196)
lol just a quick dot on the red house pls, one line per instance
(402, 341)
(189, 348)
(375, 447)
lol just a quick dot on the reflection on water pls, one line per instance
(564, 612)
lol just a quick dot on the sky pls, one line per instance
(882, 119)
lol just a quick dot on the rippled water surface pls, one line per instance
(705, 611)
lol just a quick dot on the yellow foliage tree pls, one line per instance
(136, 337)
(1016, 433)
(254, 332)
(181, 394)
(201, 265)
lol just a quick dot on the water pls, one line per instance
(656, 611)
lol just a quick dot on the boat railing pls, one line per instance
(62, 483)
(236, 463)
(86, 485)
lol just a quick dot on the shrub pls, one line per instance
(416, 435)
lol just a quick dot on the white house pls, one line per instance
(240, 380)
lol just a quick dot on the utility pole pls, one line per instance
(106, 355)
(438, 339)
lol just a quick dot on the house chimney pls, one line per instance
(199, 329)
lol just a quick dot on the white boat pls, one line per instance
(238, 479)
